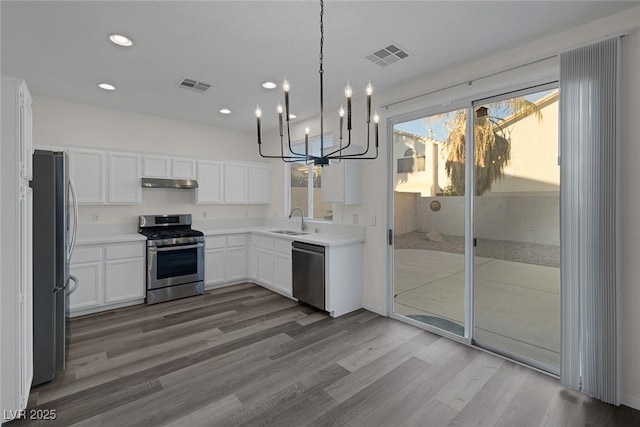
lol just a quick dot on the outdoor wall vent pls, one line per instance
(193, 85)
(388, 55)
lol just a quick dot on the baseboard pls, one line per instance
(375, 309)
(630, 401)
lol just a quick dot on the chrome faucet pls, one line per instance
(303, 226)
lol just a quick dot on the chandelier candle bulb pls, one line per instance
(369, 92)
(258, 115)
(376, 119)
(279, 109)
(348, 92)
(341, 113)
(285, 87)
(306, 141)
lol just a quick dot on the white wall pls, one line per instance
(64, 123)
(375, 199)
(630, 212)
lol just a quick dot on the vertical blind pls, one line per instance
(589, 79)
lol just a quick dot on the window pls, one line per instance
(305, 184)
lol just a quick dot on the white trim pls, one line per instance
(630, 401)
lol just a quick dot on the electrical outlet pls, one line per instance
(204, 214)
(355, 218)
(372, 221)
(342, 217)
(96, 218)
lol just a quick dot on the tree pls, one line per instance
(492, 138)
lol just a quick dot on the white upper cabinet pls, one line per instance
(342, 183)
(183, 168)
(235, 182)
(88, 175)
(105, 177)
(156, 167)
(259, 183)
(209, 182)
(168, 167)
(124, 178)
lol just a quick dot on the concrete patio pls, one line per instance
(517, 305)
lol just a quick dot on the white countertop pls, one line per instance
(110, 238)
(322, 238)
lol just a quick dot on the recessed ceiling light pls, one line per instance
(121, 40)
(225, 111)
(269, 85)
(292, 116)
(106, 86)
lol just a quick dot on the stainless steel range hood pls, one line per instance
(184, 184)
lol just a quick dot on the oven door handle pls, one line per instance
(175, 248)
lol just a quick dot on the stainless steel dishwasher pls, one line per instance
(308, 273)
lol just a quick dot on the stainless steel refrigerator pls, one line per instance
(54, 230)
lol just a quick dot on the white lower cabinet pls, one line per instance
(120, 275)
(108, 275)
(270, 263)
(225, 259)
(215, 260)
(282, 273)
(236, 257)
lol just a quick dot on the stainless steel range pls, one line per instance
(175, 257)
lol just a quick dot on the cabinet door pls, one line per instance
(342, 183)
(124, 178)
(259, 184)
(333, 183)
(252, 260)
(26, 133)
(265, 267)
(215, 261)
(209, 182)
(26, 291)
(235, 182)
(87, 172)
(236, 263)
(282, 274)
(125, 280)
(156, 167)
(183, 168)
(89, 289)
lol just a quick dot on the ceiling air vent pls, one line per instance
(388, 55)
(194, 85)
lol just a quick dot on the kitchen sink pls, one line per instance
(289, 232)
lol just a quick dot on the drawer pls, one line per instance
(135, 250)
(82, 254)
(253, 240)
(236, 240)
(265, 242)
(283, 246)
(215, 242)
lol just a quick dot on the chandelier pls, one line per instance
(327, 155)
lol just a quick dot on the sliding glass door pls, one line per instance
(429, 222)
(517, 227)
(503, 291)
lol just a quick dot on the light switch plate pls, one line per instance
(355, 218)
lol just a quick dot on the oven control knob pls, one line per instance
(166, 242)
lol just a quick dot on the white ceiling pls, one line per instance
(62, 49)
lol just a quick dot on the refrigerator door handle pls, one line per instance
(75, 280)
(72, 189)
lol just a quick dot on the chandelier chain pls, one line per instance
(321, 34)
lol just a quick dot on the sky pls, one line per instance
(438, 124)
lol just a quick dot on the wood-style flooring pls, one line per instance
(243, 355)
